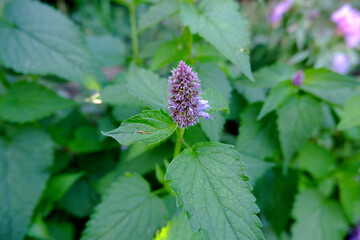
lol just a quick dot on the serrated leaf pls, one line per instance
(212, 188)
(213, 127)
(118, 94)
(148, 127)
(316, 160)
(37, 39)
(212, 77)
(221, 24)
(148, 87)
(329, 86)
(351, 114)
(157, 13)
(108, 50)
(129, 211)
(24, 169)
(257, 138)
(298, 119)
(216, 101)
(24, 102)
(349, 187)
(271, 190)
(276, 97)
(310, 209)
(168, 53)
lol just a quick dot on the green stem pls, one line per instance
(134, 36)
(179, 141)
(160, 191)
(4, 79)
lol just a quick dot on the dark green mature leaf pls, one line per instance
(316, 160)
(157, 13)
(276, 97)
(212, 77)
(25, 102)
(221, 24)
(39, 40)
(108, 50)
(298, 119)
(216, 100)
(351, 114)
(210, 185)
(148, 87)
(168, 53)
(317, 218)
(213, 127)
(274, 190)
(129, 212)
(255, 167)
(24, 169)
(148, 127)
(257, 138)
(329, 86)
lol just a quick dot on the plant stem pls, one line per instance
(3, 79)
(134, 36)
(179, 141)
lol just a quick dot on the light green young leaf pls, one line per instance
(148, 127)
(349, 196)
(318, 161)
(148, 87)
(257, 138)
(221, 24)
(211, 186)
(310, 209)
(276, 97)
(118, 94)
(351, 114)
(129, 211)
(168, 53)
(213, 127)
(25, 102)
(329, 86)
(157, 13)
(24, 169)
(298, 120)
(216, 101)
(37, 39)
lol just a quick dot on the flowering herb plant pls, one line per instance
(179, 119)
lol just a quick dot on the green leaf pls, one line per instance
(216, 101)
(39, 40)
(108, 50)
(276, 97)
(317, 218)
(221, 24)
(129, 212)
(274, 190)
(157, 13)
(148, 87)
(24, 169)
(25, 102)
(255, 167)
(212, 77)
(350, 195)
(205, 52)
(351, 114)
(168, 53)
(257, 138)
(213, 127)
(318, 161)
(212, 188)
(148, 127)
(329, 86)
(56, 188)
(298, 119)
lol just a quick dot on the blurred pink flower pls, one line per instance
(278, 11)
(347, 20)
(341, 63)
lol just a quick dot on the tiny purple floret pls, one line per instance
(355, 234)
(298, 78)
(185, 104)
(278, 11)
(347, 20)
(341, 63)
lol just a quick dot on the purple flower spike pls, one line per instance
(185, 103)
(356, 234)
(278, 11)
(298, 78)
(347, 20)
(341, 63)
